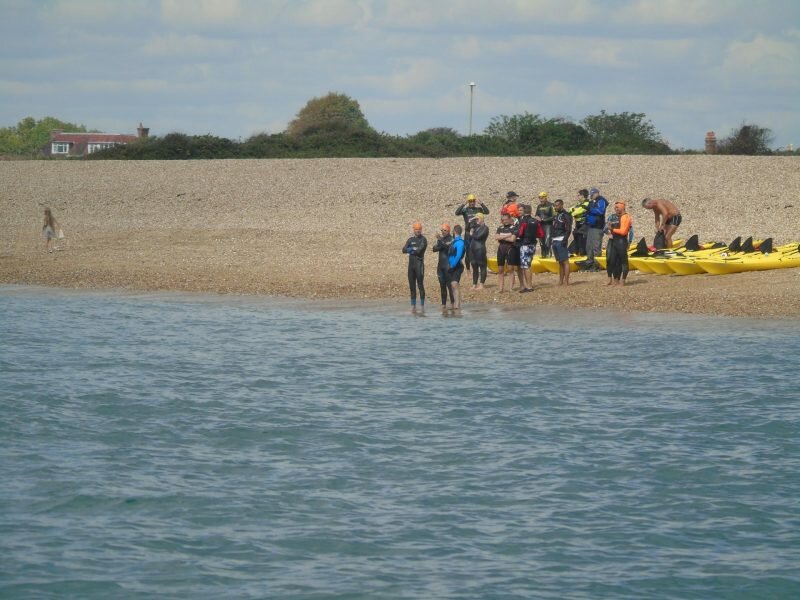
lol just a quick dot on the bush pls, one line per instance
(331, 111)
(628, 132)
(747, 139)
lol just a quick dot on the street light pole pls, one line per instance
(471, 89)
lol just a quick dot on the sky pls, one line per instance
(235, 68)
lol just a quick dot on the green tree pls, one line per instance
(531, 134)
(29, 135)
(515, 129)
(333, 111)
(623, 132)
(747, 139)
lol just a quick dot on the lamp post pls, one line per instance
(471, 89)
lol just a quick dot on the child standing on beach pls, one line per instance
(49, 229)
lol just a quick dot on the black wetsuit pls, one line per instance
(415, 247)
(561, 230)
(467, 211)
(442, 246)
(546, 213)
(504, 248)
(477, 253)
(617, 250)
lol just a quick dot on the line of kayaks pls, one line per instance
(692, 258)
(716, 258)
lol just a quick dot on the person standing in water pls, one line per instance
(456, 267)
(668, 217)
(49, 229)
(477, 251)
(415, 247)
(442, 246)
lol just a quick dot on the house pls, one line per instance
(81, 144)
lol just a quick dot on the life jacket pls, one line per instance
(578, 212)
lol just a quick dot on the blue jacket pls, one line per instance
(596, 215)
(456, 252)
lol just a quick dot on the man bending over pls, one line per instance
(668, 217)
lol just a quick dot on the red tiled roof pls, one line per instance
(91, 138)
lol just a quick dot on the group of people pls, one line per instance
(522, 229)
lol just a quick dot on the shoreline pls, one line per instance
(766, 294)
(334, 228)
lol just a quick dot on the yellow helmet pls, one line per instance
(471, 197)
(542, 194)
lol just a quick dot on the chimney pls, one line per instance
(142, 132)
(711, 143)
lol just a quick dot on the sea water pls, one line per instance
(179, 446)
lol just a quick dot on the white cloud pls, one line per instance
(327, 13)
(181, 45)
(558, 90)
(413, 75)
(763, 58)
(257, 15)
(691, 13)
(387, 106)
(201, 12)
(23, 88)
(471, 15)
(83, 12)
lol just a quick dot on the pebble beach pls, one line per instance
(334, 228)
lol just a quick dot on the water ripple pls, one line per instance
(184, 446)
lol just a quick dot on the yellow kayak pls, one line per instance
(685, 263)
(550, 264)
(662, 263)
(536, 266)
(640, 263)
(781, 259)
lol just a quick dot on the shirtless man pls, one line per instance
(668, 217)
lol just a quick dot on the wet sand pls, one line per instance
(333, 228)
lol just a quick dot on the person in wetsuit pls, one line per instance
(617, 255)
(415, 247)
(456, 267)
(506, 235)
(442, 246)
(468, 210)
(562, 227)
(477, 251)
(545, 215)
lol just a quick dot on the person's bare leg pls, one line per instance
(566, 273)
(456, 296)
(501, 279)
(668, 231)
